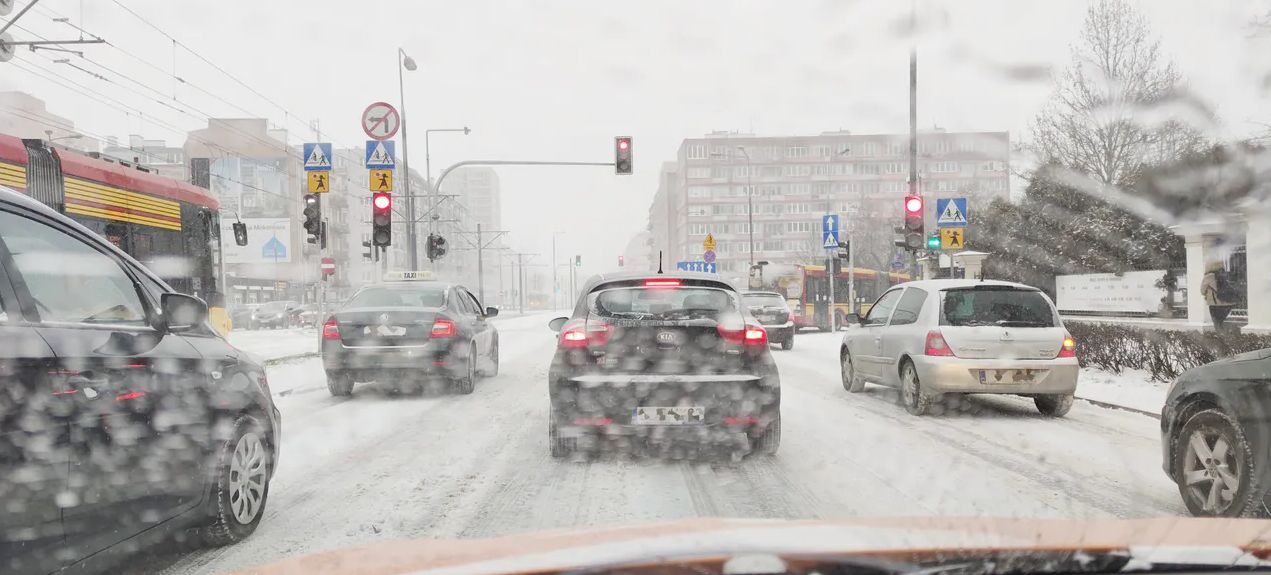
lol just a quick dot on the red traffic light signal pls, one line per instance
(622, 155)
(381, 219)
(382, 202)
(913, 205)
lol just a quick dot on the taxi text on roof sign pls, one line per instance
(408, 275)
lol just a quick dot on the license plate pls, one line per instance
(386, 330)
(669, 415)
(1007, 376)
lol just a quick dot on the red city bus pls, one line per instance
(170, 226)
(807, 289)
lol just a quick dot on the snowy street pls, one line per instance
(375, 466)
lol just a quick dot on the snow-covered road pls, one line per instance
(376, 466)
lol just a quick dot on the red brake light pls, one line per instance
(756, 335)
(573, 338)
(661, 283)
(748, 335)
(936, 344)
(442, 327)
(330, 330)
(1069, 347)
(129, 395)
(582, 333)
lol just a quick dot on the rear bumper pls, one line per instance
(959, 375)
(606, 404)
(780, 331)
(432, 357)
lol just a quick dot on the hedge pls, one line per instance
(1163, 353)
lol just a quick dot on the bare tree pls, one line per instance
(1118, 106)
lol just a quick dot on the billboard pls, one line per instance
(1130, 293)
(268, 241)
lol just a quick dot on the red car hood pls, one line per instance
(1161, 540)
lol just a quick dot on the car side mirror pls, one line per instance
(557, 323)
(491, 311)
(854, 319)
(182, 312)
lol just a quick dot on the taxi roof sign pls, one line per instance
(422, 275)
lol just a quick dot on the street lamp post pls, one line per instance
(428, 164)
(555, 275)
(750, 204)
(412, 248)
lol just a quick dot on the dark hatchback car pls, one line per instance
(1216, 436)
(666, 364)
(773, 313)
(407, 333)
(124, 418)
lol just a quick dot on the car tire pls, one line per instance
(467, 383)
(1053, 405)
(1209, 427)
(787, 344)
(244, 468)
(493, 370)
(916, 402)
(560, 447)
(340, 384)
(768, 442)
(847, 371)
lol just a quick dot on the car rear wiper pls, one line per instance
(1021, 323)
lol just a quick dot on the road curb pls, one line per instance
(271, 362)
(1107, 405)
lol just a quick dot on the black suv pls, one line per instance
(668, 363)
(773, 313)
(123, 416)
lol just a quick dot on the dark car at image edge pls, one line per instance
(663, 363)
(90, 399)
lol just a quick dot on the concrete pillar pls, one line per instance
(1199, 252)
(1258, 256)
(972, 263)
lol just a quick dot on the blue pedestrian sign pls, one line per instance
(381, 154)
(898, 262)
(273, 249)
(830, 231)
(705, 267)
(951, 213)
(317, 156)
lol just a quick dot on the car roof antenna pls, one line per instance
(659, 261)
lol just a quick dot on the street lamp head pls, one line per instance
(466, 130)
(407, 61)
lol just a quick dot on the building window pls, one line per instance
(800, 189)
(699, 172)
(797, 170)
(896, 148)
(797, 152)
(771, 171)
(821, 170)
(993, 166)
(894, 186)
(719, 171)
(966, 145)
(995, 185)
(771, 246)
(942, 167)
(867, 169)
(844, 169)
(773, 229)
(894, 167)
(699, 192)
(697, 211)
(869, 149)
(800, 227)
(721, 209)
(943, 146)
(697, 229)
(823, 151)
(696, 152)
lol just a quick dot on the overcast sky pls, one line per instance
(557, 80)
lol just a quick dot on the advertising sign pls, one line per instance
(268, 241)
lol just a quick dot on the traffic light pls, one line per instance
(914, 222)
(240, 233)
(313, 217)
(368, 254)
(621, 261)
(578, 261)
(381, 219)
(436, 247)
(933, 243)
(622, 155)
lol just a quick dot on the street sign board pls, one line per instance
(327, 266)
(317, 156)
(380, 121)
(952, 238)
(319, 182)
(898, 262)
(381, 180)
(381, 154)
(708, 256)
(830, 231)
(709, 268)
(951, 213)
(709, 243)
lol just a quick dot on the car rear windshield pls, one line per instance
(763, 300)
(423, 296)
(662, 303)
(1003, 306)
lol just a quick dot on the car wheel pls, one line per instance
(244, 468)
(1054, 405)
(560, 446)
(468, 382)
(847, 371)
(788, 343)
(493, 370)
(768, 443)
(339, 384)
(1214, 467)
(911, 394)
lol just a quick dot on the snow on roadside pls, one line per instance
(267, 344)
(1133, 388)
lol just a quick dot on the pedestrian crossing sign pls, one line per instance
(951, 212)
(317, 156)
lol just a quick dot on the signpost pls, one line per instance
(319, 182)
(381, 180)
(830, 241)
(952, 238)
(381, 154)
(381, 121)
(709, 243)
(327, 266)
(951, 213)
(706, 267)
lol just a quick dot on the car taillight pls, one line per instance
(442, 328)
(330, 330)
(598, 333)
(1069, 347)
(582, 333)
(756, 335)
(936, 344)
(748, 335)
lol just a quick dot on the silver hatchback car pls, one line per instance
(936, 337)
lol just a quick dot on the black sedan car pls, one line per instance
(409, 332)
(1216, 436)
(274, 315)
(665, 362)
(124, 418)
(773, 313)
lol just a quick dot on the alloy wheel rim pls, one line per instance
(846, 370)
(247, 471)
(1210, 470)
(909, 387)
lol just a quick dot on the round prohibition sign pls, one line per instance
(380, 121)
